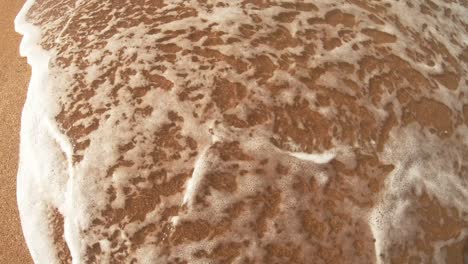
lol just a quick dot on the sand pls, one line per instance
(156, 136)
(270, 167)
(14, 76)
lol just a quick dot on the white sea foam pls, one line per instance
(44, 153)
(139, 153)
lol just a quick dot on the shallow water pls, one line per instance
(245, 131)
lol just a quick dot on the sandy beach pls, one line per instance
(14, 76)
(239, 132)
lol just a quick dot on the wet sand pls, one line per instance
(14, 76)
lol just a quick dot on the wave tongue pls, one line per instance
(244, 131)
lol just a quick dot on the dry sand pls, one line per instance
(14, 76)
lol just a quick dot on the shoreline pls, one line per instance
(14, 78)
